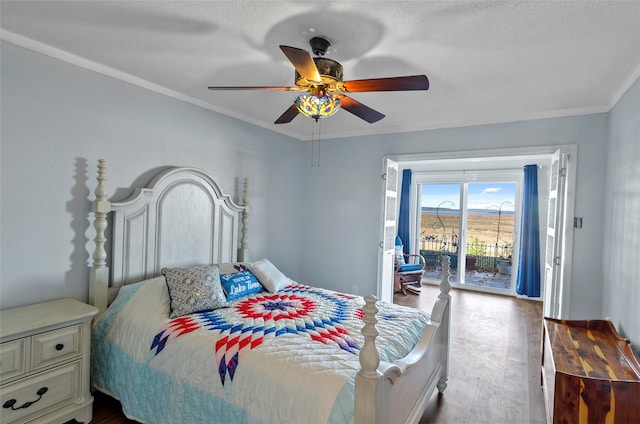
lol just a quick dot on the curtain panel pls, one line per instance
(405, 212)
(528, 282)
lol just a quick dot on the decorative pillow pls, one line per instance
(399, 251)
(240, 284)
(269, 276)
(410, 267)
(194, 289)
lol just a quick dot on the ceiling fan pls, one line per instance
(321, 78)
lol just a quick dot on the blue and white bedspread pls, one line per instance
(285, 357)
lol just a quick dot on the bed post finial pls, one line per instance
(369, 357)
(99, 273)
(441, 313)
(243, 252)
(367, 377)
(445, 285)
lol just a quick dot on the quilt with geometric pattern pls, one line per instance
(285, 357)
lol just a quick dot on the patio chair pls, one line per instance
(407, 275)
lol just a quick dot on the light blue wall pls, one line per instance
(621, 288)
(342, 198)
(58, 120)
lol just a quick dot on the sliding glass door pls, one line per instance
(473, 220)
(490, 234)
(439, 227)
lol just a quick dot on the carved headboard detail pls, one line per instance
(181, 218)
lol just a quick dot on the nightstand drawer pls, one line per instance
(13, 360)
(55, 346)
(44, 357)
(40, 394)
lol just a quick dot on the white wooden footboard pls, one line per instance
(398, 392)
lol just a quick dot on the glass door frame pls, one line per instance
(464, 178)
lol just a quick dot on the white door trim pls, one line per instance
(406, 160)
(388, 219)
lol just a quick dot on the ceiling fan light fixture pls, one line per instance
(320, 75)
(317, 106)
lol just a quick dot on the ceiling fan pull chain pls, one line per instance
(313, 134)
(319, 137)
(315, 140)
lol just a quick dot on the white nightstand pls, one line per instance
(44, 362)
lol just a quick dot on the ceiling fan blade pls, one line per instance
(303, 62)
(414, 82)
(288, 115)
(360, 110)
(275, 88)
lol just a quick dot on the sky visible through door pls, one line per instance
(484, 194)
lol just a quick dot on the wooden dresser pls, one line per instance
(589, 373)
(44, 363)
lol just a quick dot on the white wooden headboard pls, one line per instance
(181, 218)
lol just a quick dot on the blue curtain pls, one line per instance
(528, 282)
(404, 213)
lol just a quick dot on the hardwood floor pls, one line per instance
(107, 410)
(495, 359)
(495, 362)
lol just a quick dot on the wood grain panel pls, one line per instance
(596, 375)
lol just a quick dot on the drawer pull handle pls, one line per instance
(11, 402)
(59, 346)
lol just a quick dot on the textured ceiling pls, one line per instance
(487, 61)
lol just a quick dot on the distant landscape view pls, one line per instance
(490, 221)
(482, 225)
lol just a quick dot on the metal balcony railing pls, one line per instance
(482, 256)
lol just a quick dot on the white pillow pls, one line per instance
(269, 276)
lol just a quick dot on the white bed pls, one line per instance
(183, 219)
